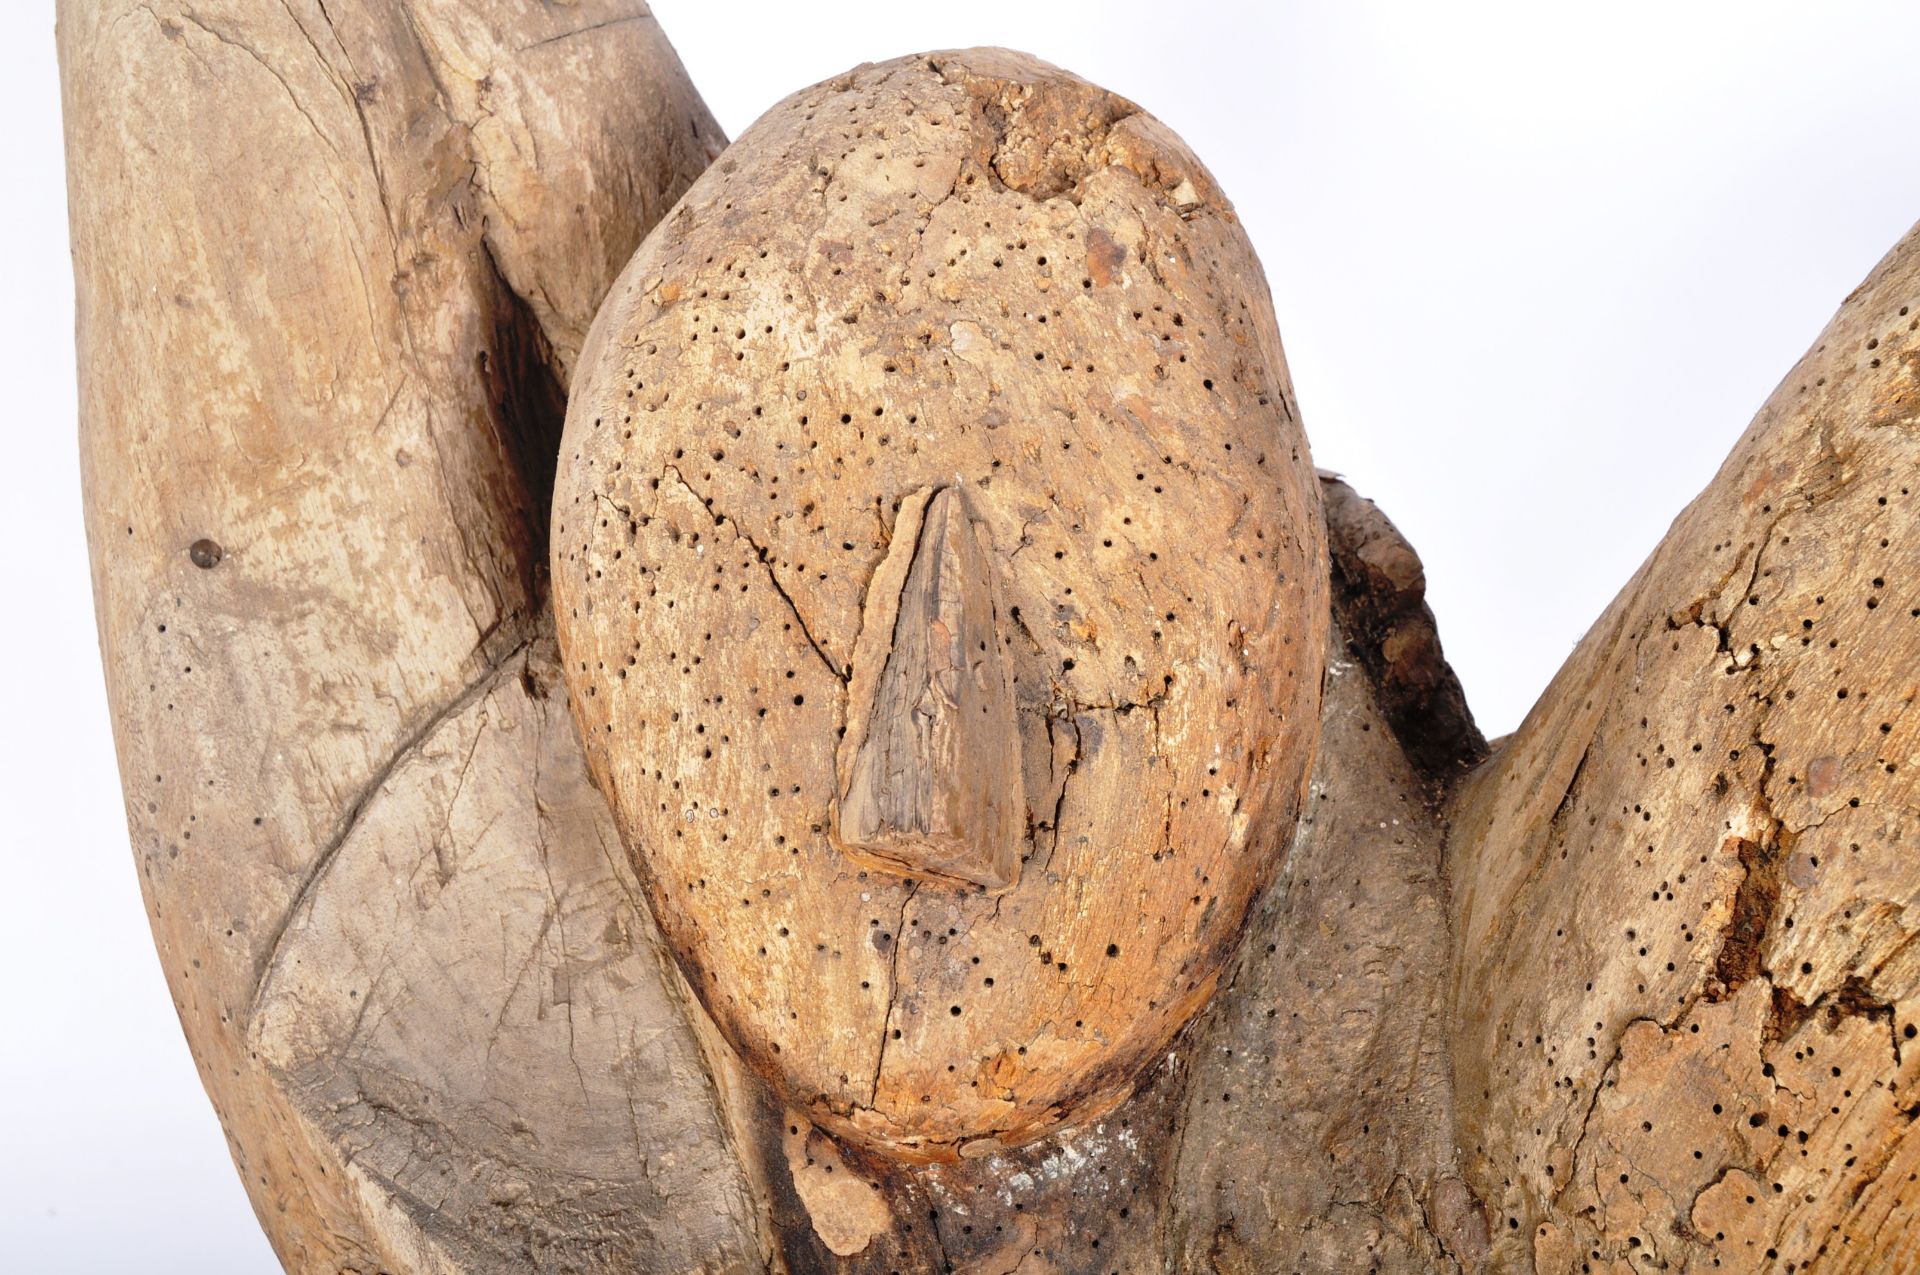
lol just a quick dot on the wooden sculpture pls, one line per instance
(919, 773)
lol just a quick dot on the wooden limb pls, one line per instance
(328, 291)
(1685, 906)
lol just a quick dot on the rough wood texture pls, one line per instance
(331, 262)
(474, 1007)
(1303, 1122)
(1656, 1006)
(964, 270)
(930, 762)
(1685, 893)
(1318, 1133)
(1380, 593)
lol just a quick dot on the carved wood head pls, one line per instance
(940, 579)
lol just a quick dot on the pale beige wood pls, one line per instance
(973, 272)
(326, 300)
(1305, 1120)
(931, 758)
(1685, 896)
(1317, 1125)
(335, 262)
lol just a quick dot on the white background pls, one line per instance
(1536, 264)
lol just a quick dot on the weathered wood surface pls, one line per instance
(1685, 892)
(969, 270)
(1318, 1129)
(1655, 1006)
(333, 261)
(1303, 1122)
(930, 762)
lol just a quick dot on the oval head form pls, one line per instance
(940, 577)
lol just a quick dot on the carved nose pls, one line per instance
(929, 768)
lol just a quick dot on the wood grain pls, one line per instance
(952, 350)
(930, 770)
(1685, 897)
(332, 264)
